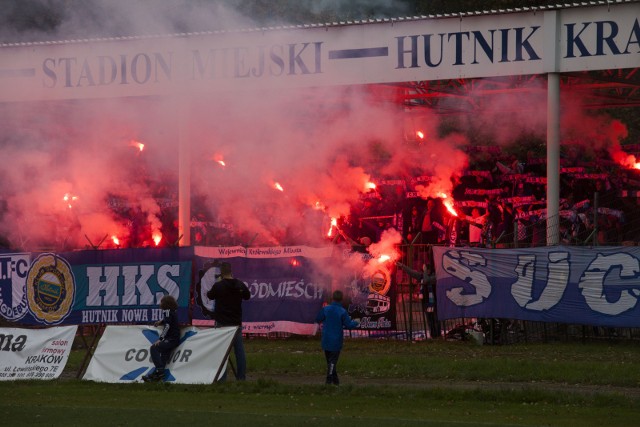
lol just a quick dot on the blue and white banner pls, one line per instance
(13, 278)
(370, 294)
(94, 287)
(592, 286)
(287, 286)
(34, 354)
(122, 355)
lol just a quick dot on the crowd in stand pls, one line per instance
(499, 201)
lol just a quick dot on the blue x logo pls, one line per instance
(152, 336)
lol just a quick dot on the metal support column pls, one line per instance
(184, 175)
(553, 159)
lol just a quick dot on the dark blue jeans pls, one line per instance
(161, 352)
(332, 366)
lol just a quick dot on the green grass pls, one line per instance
(383, 383)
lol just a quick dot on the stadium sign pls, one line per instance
(532, 42)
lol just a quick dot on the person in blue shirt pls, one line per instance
(168, 340)
(334, 319)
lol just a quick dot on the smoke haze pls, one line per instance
(293, 159)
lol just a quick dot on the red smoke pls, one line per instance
(325, 148)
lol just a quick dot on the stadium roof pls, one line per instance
(334, 24)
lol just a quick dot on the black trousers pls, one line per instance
(161, 353)
(332, 363)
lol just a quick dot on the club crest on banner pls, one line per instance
(13, 274)
(378, 302)
(50, 288)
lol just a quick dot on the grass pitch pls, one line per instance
(384, 382)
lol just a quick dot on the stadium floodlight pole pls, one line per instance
(184, 172)
(552, 68)
(553, 158)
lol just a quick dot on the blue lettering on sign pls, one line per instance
(159, 67)
(431, 50)
(607, 33)
(103, 70)
(415, 51)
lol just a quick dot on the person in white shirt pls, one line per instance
(476, 223)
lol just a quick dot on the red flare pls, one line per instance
(294, 262)
(626, 160)
(448, 203)
(116, 241)
(383, 258)
(370, 186)
(334, 223)
(157, 237)
(278, 187)
(139, 145)
(420, 135)
(69, 198)
(218, 159)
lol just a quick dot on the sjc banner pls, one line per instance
(592, 286)
(94, 287)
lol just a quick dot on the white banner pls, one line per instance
(122, 355)
(271, 252)
(34, 354)
(258, 328)
(530, 41)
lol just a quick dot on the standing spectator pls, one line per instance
(427, 279)
(429, 299)
(169, 339)
(476, 224)
(494, 219)
(453, 231)
(334, 319)
(521, 226)
(228, 294)
(538, 231)
(431, 223)
(504, 230)
(412, 224)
